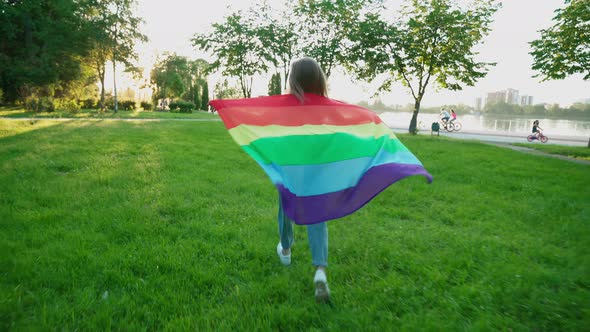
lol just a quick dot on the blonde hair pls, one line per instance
(306, 76)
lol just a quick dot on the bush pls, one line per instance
(147, 106)
(1, 96)
(109, 103)
(89, 103)
(40, 104)
(182, 106)
(126, 105)
(69, 106)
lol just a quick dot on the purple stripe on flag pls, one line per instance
(305, 210)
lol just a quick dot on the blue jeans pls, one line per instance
(317, 235)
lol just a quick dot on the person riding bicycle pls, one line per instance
(453, 115)
(536, 129)
(445, 116)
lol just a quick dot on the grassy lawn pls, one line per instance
(19, 112)
(170, 226)
(580, 152)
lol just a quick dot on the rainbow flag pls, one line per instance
(326, 158)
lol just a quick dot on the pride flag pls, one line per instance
(326, 158)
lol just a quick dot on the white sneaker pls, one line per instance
(285, 259)
(322, 291)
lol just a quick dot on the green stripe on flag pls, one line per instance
(319, 149)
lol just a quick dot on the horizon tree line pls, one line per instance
(57, 50)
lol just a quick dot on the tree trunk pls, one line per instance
(101, 76)
(116, 108)
(414, 120)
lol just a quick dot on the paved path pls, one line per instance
(505, 140)
(538, 153)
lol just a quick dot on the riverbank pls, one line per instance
(503, 137)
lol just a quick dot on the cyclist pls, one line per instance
(445, 116)
(536, 129)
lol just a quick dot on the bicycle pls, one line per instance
(541, 137)
(456, 125)
(448, 126)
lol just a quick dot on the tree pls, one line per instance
(238, 50)
(278, 37)
(199, 71)
(325, 25)
(42, 44)
(116, 31)
(274, 86)
(171, 77)
(205, 96)
(432, 40)
(223, 90)
(124, 33)
(564, 48)
(178, 77)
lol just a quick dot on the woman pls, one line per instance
(326, 158)
(306, 76)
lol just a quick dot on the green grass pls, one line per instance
(579, 152)
(170, 226)
(19, 112)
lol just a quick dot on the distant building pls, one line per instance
(495, 97)
(526, 100)
(512, 96)
(478, 103)
(509, 96)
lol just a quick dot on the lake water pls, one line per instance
(495, 124)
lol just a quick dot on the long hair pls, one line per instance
(306, 76)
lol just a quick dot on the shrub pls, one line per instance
(89, 103)
(126, 105)
(40, 104)
(146, 105)
(182, 106)
(69, 106)
(109, 102)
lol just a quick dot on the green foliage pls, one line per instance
(223, 90)
(89, 103)
(278, 36)
(432, 40)
(70, 106)
(577, 110)
(178, 77)
(1, 96)
(237, 48)
(19, 112)
(182, 106)
(127, 105)
(205, 96)
(42, 44)
(274, 85)
(147, 106)
(39, 104)
(564, 48)
(325, 27)
(144, 229)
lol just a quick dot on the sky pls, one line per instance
(171, 24)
